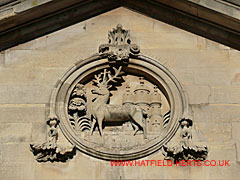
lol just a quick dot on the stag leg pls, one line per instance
(137, 117)
(100, 122)
(93, 126)
(100, 118)
(136, 128)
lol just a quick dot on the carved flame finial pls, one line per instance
(119, 47)
(119, 36)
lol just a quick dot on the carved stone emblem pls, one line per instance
(185, 150)
(119, 47)
(117, 104)
(50, 150)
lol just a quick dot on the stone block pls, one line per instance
(7, 13)
(42, 58)
(236, 138)
(1, 157)
(82, 167)
(4, 2)
(214, 132)
(17, 152)
(77, 43)
(164, 56)
(236, 79)
(198, 60)
(197, 94)
(176, 40)
(15, 132)
(1, 59)
(235, 131)
(225, 151)
(31, 76)
(218, 113)
(225, 95)
(39, 132)
(185, 77)
(214, 76)
(18, 171)
(224, 172)
(25, 94)
(36, 44)
(22, 113)
(234, 56)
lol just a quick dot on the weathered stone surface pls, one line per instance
(96, 170)
(1, 59)
(1, 165)
(235, 131)
(22, 113)
(15, 132)
(216, 113)
(225, 95)
(208, 72)
(18, 170)
(33, 76)
(25, 94)
(214, 76)
(4, 2)
(39, 130)
(36, 44)
(197, 94)
(45, 58)
(219, 7)
(224, 172)
(236, 139)
(16, 152)
(7, 13)
(214, 132)
(222, 152)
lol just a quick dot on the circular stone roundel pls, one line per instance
(118, 104)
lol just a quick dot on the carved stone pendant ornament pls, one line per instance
(50, 150)
(185, 150)
(115, 105)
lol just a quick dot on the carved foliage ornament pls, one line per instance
(116, 105)
(185, 150)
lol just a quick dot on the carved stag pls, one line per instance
(104, 112)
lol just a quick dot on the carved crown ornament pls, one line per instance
(118, 105)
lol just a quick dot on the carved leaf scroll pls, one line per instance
(50, 150)
(185, 150)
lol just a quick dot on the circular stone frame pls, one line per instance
(157, 73)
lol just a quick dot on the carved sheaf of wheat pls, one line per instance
(166, 118)
(84, 124)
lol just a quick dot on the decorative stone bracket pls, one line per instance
(50, 150)
(119, 47)
(185, 150)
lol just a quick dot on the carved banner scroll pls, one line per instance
(117, 104)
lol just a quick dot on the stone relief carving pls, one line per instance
(119, 47)
(117, 104)
(102, 111)
(50, 150)
(77, 109)
(186, 150)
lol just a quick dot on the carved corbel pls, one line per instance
(119, 47)
(50, 150)
(185, 150)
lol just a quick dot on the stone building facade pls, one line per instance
(208, 72)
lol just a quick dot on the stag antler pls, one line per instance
(97, 79)
(116, 72)
(105, 77)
